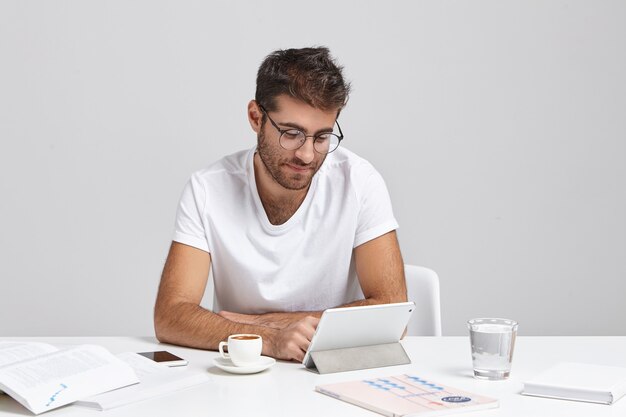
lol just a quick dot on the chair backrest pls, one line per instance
(422, 285)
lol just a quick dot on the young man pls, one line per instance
(291, 227)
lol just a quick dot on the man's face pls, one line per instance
(293, 169)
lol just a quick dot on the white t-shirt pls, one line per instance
(304, 264)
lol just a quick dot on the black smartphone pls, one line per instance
(164, 357)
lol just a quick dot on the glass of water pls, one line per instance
(492, 343)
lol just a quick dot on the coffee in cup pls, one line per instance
(243, 349)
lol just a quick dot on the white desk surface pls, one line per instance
(287, 389)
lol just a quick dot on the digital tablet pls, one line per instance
(359, 326)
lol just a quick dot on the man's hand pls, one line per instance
(292, 342)
(289, 342)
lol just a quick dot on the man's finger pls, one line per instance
(307, 326)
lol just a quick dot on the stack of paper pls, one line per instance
(155, 380)
(579, 382)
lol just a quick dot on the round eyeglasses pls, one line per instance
(292, 139)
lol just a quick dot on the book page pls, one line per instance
(12, 352)
(62, 377)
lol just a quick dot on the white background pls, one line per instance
(499, 127)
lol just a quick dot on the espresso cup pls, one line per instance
(243, 349)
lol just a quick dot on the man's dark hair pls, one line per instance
(307, 74)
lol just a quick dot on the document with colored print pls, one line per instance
(406, 395)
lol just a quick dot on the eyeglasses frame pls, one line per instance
(283, 131)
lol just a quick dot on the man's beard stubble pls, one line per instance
(273, 162)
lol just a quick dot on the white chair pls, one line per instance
(422, 285)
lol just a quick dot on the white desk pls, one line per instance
(287, 389)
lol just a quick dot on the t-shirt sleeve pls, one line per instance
(375, 213)
(190, 227)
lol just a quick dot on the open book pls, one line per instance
(406, 395)
(41, 377)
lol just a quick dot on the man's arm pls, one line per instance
(380, 269)
(179, 319)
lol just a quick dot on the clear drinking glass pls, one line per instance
(492, 343)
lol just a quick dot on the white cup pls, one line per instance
(243, 349)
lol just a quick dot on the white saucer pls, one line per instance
(226, 365)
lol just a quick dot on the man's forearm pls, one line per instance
(282, 320)
(188, 324)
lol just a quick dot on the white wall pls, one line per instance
(499, 127)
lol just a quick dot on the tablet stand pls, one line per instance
(362, 357)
